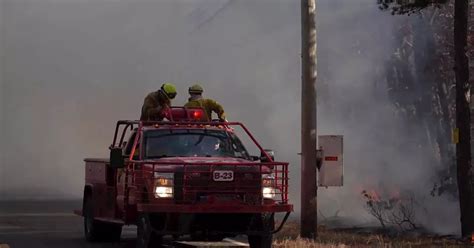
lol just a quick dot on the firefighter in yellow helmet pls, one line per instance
(209, 105)
(156, 105)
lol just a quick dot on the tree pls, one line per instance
(465, 173)
(463, 117)
(421, 85)
(401, 7)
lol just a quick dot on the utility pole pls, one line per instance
(2, 98)
(309, 187)
(465, 173)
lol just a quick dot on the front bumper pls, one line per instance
(213, 208)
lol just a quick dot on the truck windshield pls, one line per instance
(193, 143)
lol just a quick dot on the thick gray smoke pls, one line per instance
(355, 43)
(2, 99)
(71, 68)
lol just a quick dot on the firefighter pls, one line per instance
(209, 105)
(156, 105)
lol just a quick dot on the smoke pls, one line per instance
(382, 151)
(2, 99)
(73, 67)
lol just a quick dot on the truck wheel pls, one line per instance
(146, 238)
(264, 241)
(92, 228)
(263, 223)
(99, 231)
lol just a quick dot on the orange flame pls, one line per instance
(373, 195)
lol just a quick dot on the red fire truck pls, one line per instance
(184, 178)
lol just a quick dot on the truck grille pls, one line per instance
(197, 185)
(193, 184)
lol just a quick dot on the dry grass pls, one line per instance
(288, 237)
(304, 243)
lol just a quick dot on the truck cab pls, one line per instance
(184, 178)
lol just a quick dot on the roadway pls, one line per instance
(51, 224)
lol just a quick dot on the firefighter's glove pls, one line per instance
(222, 117)
(165, 113)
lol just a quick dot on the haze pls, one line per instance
(71, 68)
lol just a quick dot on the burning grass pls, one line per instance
(394, 211)
(328, 238)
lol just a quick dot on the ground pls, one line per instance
(354, 237)
(51, 224)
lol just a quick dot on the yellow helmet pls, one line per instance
(196, 89)
(169, 90)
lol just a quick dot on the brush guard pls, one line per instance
(195, 190)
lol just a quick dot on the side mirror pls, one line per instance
(116, 158)
(270, 153)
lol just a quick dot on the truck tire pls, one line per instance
(264, 241)
(265, 224)
(146, 238)
(94, 230)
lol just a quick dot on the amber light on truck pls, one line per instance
(268, 186)
(164, 185)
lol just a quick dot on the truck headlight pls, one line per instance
(163, 192)
(269, 193)
(164, 185)
(268, 186)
